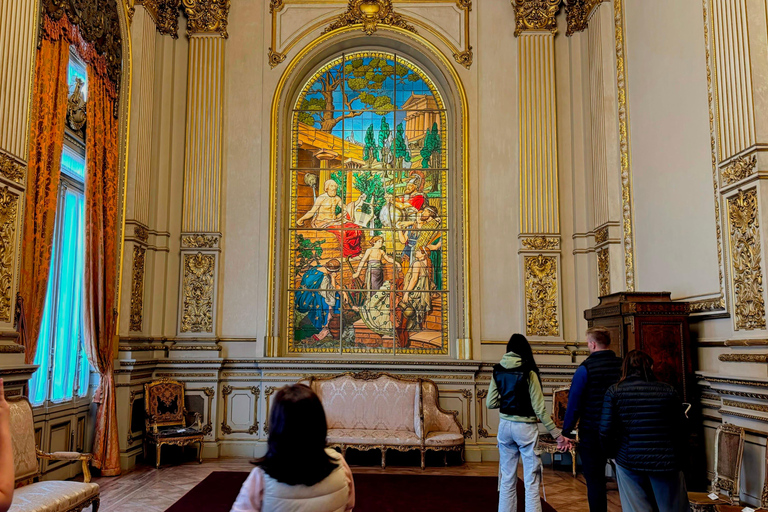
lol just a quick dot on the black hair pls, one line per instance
(297, 438)
(519, 345)
(637, 364)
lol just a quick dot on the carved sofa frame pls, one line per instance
(449, 418)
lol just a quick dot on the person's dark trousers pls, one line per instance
(593, 461)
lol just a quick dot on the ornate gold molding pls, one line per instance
(707, 305)
(541, 293)
(739, 169)
(141, 233)
(197, 293)
(577, 14)
(626, 172)
(604, 272)
(745, 405)
(9, 209)
(207, 16)
(601, 235)
(541, 243)
(12, 349)
(165, 13)
(736, 382)
(747, 275)
(137, 289)
(12, 169)
(743, 358)
(200, 241)
(227, 390)
(370, 13)
(481, 430)
(535, 15)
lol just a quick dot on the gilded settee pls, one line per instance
(378, 411)
(51, 495)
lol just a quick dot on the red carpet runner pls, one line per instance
(375, 493)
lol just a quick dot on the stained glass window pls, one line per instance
(368, 223)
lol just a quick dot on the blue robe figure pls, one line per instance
(316, 303)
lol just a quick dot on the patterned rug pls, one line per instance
(374, 493)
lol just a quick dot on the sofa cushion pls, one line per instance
(23, 440)
(444, 439)
(373, 436)
(381, 404)
(52, 496)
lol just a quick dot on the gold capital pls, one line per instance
(207, 16)
(535, 15)
(577, 13)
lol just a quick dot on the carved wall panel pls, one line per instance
(746, 260)
(541, 296)
(604, 271)
(197, 292)
(229, 394)
(9, 219)
(137, 288)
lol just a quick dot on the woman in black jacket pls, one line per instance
(642, 427)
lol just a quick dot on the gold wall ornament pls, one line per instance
(541, 243)
(604, 272)
(197, 293)
(227, 390)
(535, 15)
(624, 147)
(76, 108)
(749, 305)
(207, 16)
(141, 233)
(577, 14)
(707, 305)
(601, 235)
(137, 289)
(370, 13)
(200, 241)
(739, 169)
(743, 358)
(9, 209)
(165, 13)
(541, 296)
(11, 168)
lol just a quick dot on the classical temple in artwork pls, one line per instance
(206, 202)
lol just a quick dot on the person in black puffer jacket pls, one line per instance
(642, 427)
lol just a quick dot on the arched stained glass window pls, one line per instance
(368, 259)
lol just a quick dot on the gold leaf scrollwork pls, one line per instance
(141, 233)
(197, 293)
(370, 13)
(604, 272)
(577, 13)
(541, 243)
(746, 260)
(535, 15)
(274, 57)
(9, 207)
(601, 236)
(199, 241)
(76, 107)
(739, 169)
(137, 288)
(541, 296)
(464, 58)
(166, 15)
(11, 169)
(207, 16)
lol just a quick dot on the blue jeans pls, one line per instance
(516, 440)
(652, 492)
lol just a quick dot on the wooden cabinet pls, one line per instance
(654, 323)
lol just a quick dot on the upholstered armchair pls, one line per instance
(729, 448)
(547, 443)
(50, 495)
(166, 418)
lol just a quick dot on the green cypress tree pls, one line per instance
(371, 150)
(402, 153)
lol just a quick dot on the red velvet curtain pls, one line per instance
(46, 136)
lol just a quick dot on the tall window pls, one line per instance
(64, 370)
(368, 220)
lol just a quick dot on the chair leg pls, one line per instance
(383, 458)
(158, 447)
(423, 452)
(445, 459)
(200, 452)
(573, 462)
(95, 505)
(344, 451)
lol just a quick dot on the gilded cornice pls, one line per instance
(739, 169)
(207, 16)
(535, 15)
(369, 13)
(577, 14)
(165, 13)
(12, 169)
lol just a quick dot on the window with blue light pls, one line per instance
(64, 371)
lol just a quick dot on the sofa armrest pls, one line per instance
(85, 458)
(437, 419)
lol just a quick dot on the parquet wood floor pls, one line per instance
(146, 489)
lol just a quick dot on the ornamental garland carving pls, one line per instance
(749, 307)
(541, 296)
(207, 16)
(535, 15)
(166, 15)
(708, 305)
(99, 25)
(197, 293)
(604, 272)
(739, 169)
(9, 208)
(200, 241)
(370, 13)
(743, 358)
(11, 169)
(137, 288)
(541, 243)
(577, 13)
